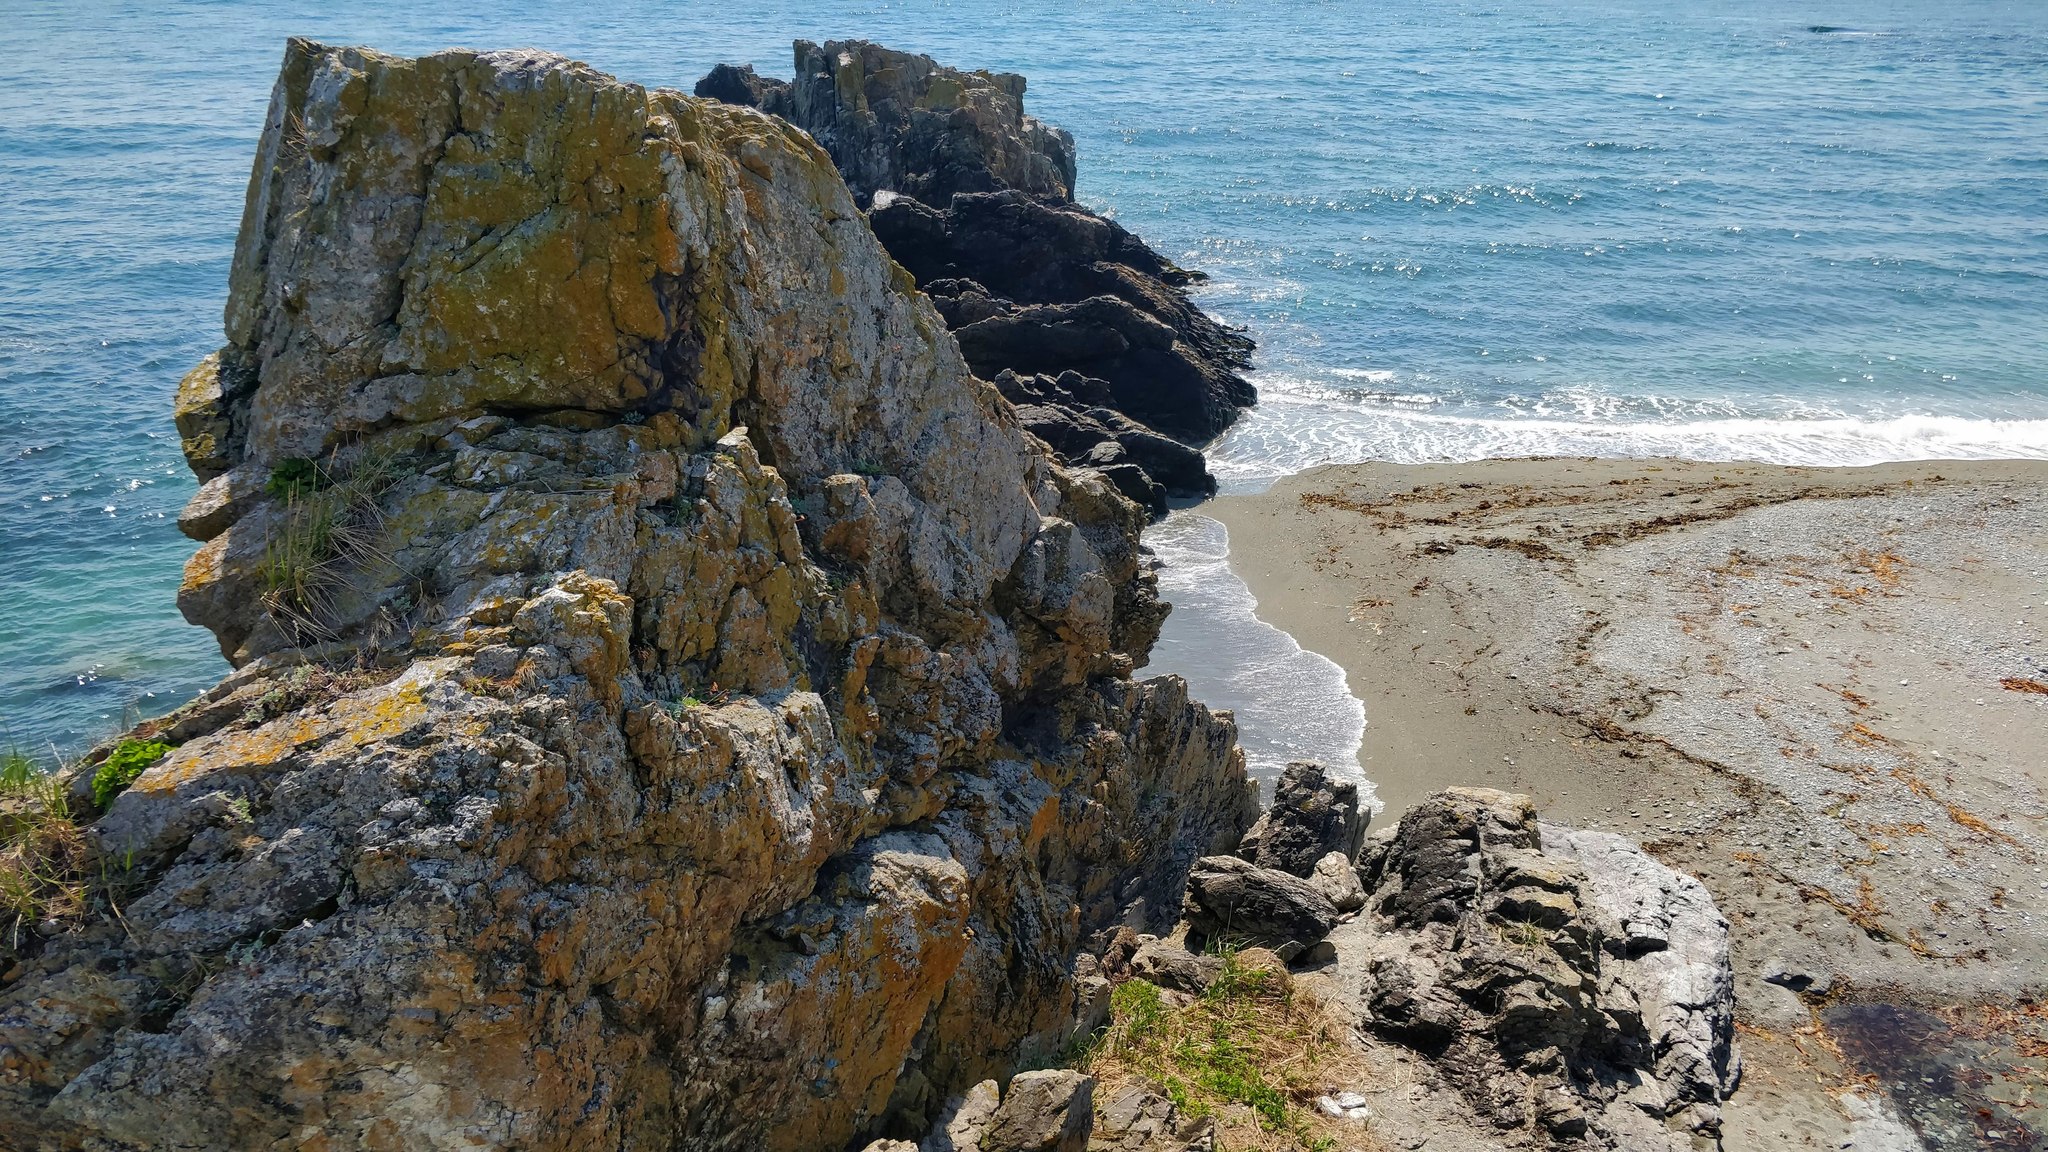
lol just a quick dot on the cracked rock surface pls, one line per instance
(1565, 982)
(718, 731)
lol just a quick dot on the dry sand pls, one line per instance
(1815, 689)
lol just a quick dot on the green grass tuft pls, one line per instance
(43, 854)
(1246, 1051)
(331, 521)
(17, 771)
(49, 873)
(122, 767)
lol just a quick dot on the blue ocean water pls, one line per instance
(1701, 228)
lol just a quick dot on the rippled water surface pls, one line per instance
(1693, 228)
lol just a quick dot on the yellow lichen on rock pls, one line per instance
(711, 692)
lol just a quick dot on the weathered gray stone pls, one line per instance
(1666, 950)
(1337, 879)
(1229, 898)
(1046, 1111)
(1564, 981)
(1168, 963)
(1140, 1118)
(718, 731)
(965, 1120)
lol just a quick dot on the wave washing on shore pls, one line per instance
(1295, 704)
(1291, 432)
(1566, 226)
(1290, 704)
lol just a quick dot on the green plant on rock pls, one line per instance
(1245, 1051)
(122, 766)
(293, 477)
(331, 521)
(714, 697)
(1521, 933)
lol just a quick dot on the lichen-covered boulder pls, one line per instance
(675, 705)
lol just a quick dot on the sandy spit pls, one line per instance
(1824, 691)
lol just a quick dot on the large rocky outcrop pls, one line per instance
(676, 705)
(903, 123)
(1565, 981)
(1065, 310)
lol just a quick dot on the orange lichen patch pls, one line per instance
(2023, 684)
(377, 714)
(231, 752)
(383, 716)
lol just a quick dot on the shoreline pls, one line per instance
(1786, 681)
(1290, 703)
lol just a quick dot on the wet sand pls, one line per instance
(1822, 691)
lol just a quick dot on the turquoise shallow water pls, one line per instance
(1703, 229)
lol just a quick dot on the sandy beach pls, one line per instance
(1822, 691)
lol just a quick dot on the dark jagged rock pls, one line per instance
(1313, 815)
(728, 84)
(1564, 981)
(1018, 253)
(976, 200)
(1232, 899)
(903, 123)
(1071, 414)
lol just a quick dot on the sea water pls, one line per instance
(1756, 229)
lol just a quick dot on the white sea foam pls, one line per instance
(1290, 704)
(1289, 433)
(1294, 704)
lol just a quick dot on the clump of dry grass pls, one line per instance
(44, 859)
(51, 876)
(331, 522)
(1248, 1051)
